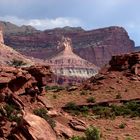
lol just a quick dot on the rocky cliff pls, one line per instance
(8, 56)
(96, 46)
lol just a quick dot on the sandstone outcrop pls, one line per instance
(96, 46)
(126, 62)
(20, 93)
(38, 128)
(123, 69)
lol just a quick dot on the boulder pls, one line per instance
(45, 102)
(78, 124)
(37, 127)
(62, 130)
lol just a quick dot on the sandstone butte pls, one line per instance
(68, 64)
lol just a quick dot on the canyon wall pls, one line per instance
(96, 46)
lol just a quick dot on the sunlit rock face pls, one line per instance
(1, 37)
(67, 63)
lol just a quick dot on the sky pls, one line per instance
(89, 14)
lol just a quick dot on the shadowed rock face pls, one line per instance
(96, 46)
(67, 63)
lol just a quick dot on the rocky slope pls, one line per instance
(28, 111)
(96, 46)
(8, 56)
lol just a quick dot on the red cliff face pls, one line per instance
(96, 46)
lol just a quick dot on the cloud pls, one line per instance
(44, 23)
(90, 14)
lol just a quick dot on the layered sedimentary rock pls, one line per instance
(96, 46)
(68, 64)
(8, 56)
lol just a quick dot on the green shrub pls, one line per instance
(131, 109)
(77, 138)
(91, 100)
(54, 96)
(11, 112)
(128, 138)
(71, 106)
(122, 125)
(92, 133)
(103, 111)
(42, 112)
(55, 88)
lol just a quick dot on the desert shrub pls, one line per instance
(128, 138)
(122, 125)
(84, 109)
(77, 138)
(54, 96)
(56, 88)
(11, 112)
(42, 112)
(120, 110)
(92, 133)
(91, 100)
(131, 109)
(103, 111)
(71, 106)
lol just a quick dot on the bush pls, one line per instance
(55, 88)
(71, 106)
(77, 138)
(91, 100)
(122, 125)
(128, 138)
(92, 133)
(103, 111)
(42, 112)
(131, 109)
(11, 112)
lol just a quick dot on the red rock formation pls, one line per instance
(1, 37)
(68, 64)
(8, 56)
(96, 46)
